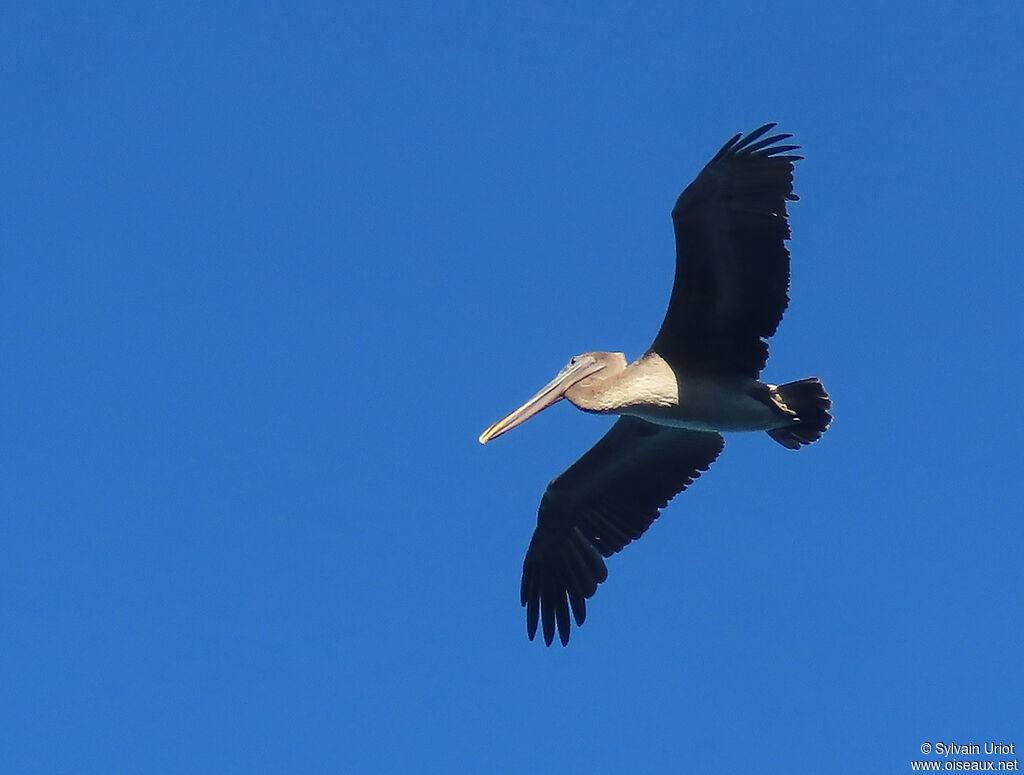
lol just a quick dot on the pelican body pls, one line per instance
(699, 378)
(650, 389)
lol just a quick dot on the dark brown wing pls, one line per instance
(732, 266)
(603, 501)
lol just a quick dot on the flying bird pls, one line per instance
(697, 379)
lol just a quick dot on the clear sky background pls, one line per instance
(269, 269)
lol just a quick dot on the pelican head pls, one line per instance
(579, 380)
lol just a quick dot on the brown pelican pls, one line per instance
(699, 377)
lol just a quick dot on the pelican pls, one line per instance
(697, 379)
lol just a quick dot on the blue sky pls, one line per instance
(269, 270)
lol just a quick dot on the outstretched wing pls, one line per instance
(603, 501)
(732, 265)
